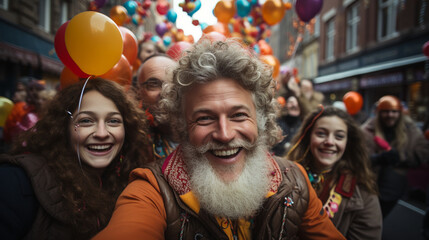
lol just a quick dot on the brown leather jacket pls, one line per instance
(51, 221)
(267, 224)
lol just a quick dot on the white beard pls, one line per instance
(239, 198)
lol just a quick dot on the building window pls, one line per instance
(4, 4)
(387, 10)
(45, 15)
(317, 26)
(353, 19)
(330, 35)
(64, 16)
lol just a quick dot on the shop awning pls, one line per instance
(371, 68)
(20, 45)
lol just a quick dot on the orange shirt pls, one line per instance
(140, 213)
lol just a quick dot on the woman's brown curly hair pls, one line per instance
(355, 158)
(90, 205)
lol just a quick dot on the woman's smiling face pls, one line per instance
(97, 130)
(328, 142)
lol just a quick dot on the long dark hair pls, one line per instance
(355, 158)
(89, 205)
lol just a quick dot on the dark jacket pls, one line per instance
(359, 217)
(50, 221)
(267, 224)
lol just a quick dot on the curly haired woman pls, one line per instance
(331, 148)
(68, 170)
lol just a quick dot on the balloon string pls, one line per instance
(297, 42)
(76, 125)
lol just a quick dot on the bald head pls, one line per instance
(152, 73)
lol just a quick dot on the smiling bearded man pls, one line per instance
(234, 199)
(220, 182)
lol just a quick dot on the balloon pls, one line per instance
(257, 49)
(243, 7)
(119, 15)
(273, 62)
(94, 42)
(162, 7)
(224, 11)
(131, 7)
(197, 7)
(307, 9)
(155, 39)
(130, 47)
(217, 27)
(426, 49)
(176, 50)
(273, 11)
(6, 106)
(281, 100)
(161, 28)
(353, 101)
(63, 54)
(265, 48)
(171, 16)
(68, 78)
(214, 36)
(167, 41)
(120, 73)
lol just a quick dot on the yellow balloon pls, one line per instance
(6, 106)
(224, 10)
(273, 11)
(94, 42)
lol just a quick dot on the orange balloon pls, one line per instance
(265, 48)
(120, 73)
(224, 10)
(217, 27)
(353, 101)
(130, 48)
(119, 14)
(281, 101)
(136, 65)
(273, 62)
(68, 78)
(273, 11)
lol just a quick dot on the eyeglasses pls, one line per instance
(152, 84)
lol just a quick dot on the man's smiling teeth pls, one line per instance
(99, 147)
(223, 153)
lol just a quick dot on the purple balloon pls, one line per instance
(100, 3)
(307, 9)
(161, 28)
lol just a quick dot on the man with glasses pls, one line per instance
(153, 72)
(395, 145)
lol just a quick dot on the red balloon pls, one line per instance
(130, 48)
(120, 73)
(175, 51)
(426, 49)
(63, 54)
(353, 101)
(68, 78)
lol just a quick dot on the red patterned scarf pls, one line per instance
(174, 170)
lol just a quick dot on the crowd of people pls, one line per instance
(202, 150)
